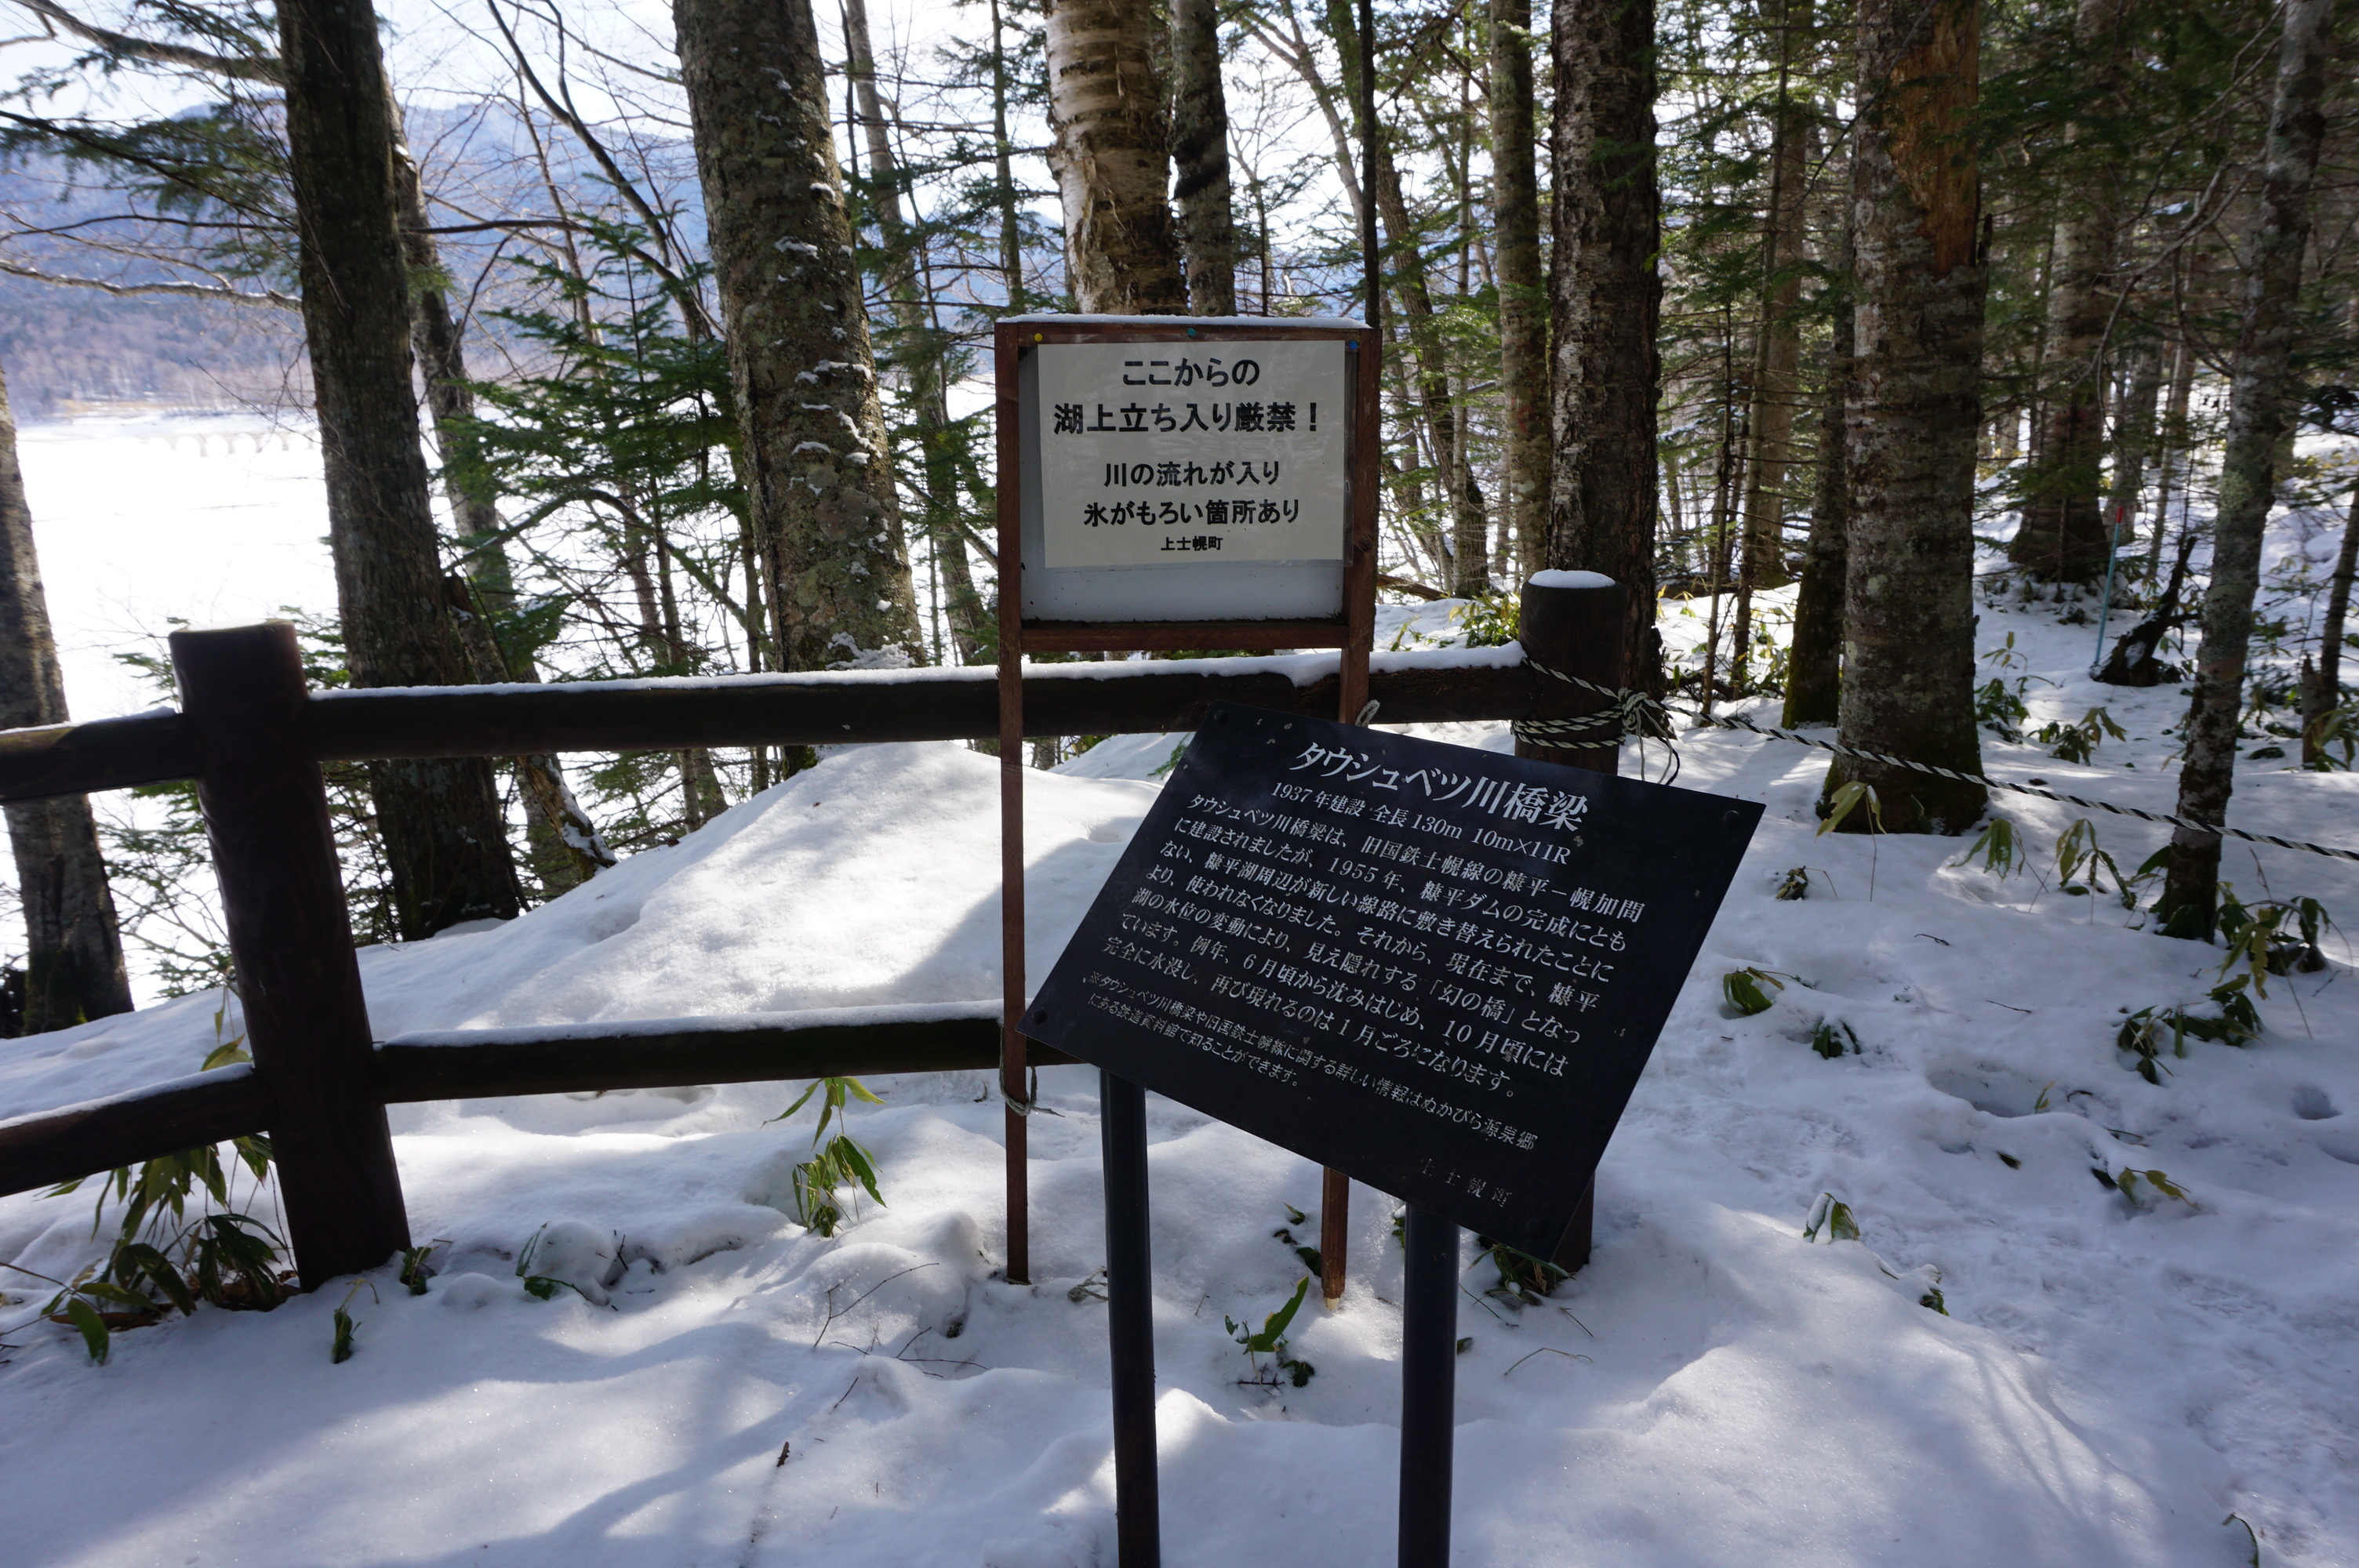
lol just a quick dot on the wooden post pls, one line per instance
(1352, 680)
(1014, 1091)
(282, 900)
(1571, 621)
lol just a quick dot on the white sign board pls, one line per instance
(1194, 454)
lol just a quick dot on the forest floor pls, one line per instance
(2118, 1373)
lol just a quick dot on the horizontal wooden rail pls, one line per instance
(675, 1052)
(42, 1150)
(919, 705)
(781, 710)
(108, 753)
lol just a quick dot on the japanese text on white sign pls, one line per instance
(1193, 452)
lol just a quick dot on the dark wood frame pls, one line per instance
(1352, 632)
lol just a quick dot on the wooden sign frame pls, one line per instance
(1353, 632)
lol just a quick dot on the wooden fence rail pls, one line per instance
(253, 742)
(776, 710)
(42, 1150)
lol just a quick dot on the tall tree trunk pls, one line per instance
(1408, 488)
(2062, 537)
(73, 955)
(1607, 298)
(1011, 233)
(2259, 411)
(2172, 440)
(818, 467)
(1814, 664)
(444, 837)
(2322, 686)
(1523, 288)
(1200, 156)
(566, 847)
(1908, 609)
(1111, 157)
(2133, 441)
(1777, 372)
(921, 349)
(1469, 574)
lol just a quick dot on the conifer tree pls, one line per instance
(2261, 414)
(1607, 298)
(812, 426)
(444, 836)
(1200, 156)
(1909, 658)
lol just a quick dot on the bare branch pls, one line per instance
(268, 298)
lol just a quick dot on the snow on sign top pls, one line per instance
(1439, 970)
(1193, 453)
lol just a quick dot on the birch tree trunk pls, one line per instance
(920, 349)
(1607, 298)
(2259, 413)
(818, 472)
(73, 954)
(1111, 157)
(1523, 288)
(2062, 537)
(1908, 657)
(1200, 156)
(444, 837)
(1814, 664)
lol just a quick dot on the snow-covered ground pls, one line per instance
(2116, 1376)
(210, 519)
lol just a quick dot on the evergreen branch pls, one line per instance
(94, 142)
(242, 67)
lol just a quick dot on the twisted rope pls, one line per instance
(1635, 715)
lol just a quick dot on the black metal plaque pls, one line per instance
(1436, 969)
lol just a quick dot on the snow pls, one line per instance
(2115, 1377)
(1556, 578)
(228, 1073)
(1303, 670)
(710, 1023)
(214, 519)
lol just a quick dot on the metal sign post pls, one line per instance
(1440, 970)
(1173, 483)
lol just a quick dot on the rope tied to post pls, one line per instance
(1633, 715)
(1627, 716)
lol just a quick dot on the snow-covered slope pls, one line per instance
(2114, 1376)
